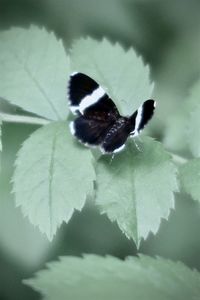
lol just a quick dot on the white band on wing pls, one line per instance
(138, 119)
(71, 127)
(91, 99)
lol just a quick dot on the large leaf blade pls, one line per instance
(95, 277)
(136, 188)
(34, 71)
(52, 177)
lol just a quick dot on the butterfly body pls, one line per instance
(98, 122)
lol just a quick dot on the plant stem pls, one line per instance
(23, 119)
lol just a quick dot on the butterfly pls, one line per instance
(98, 121)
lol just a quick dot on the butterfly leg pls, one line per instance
(112, 157)
(137, 146)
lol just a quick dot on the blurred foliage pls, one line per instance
(167, 35)
(96, 277)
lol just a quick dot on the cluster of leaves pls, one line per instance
(54, 175)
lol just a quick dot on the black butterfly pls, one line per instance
(98, 121)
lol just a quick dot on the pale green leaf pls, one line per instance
(136, 188)
(193, 123)
(121, 73)
(108, 278)
(52, 177)
(189, 174)
(20, 242)
(34, 71)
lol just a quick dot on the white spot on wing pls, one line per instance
(89, 145)
(115, 151)
(102, 150)
(74, 109)
(74, 73)
(71, 127)
(91, 99)
(119, 149)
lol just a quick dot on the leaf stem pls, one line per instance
(23, 119)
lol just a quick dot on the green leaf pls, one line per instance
(20, 242)
(136, 188)
(189, 174)
(34, 71)
(122, 73)
(52, 177)
(108, 278)
(193, 123)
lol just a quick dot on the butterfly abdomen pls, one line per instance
(116, 136)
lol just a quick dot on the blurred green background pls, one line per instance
(167, 35)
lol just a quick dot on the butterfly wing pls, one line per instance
(142, 116)
(90, 132)
(85, 93)
(97, 112)
(80, 86)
